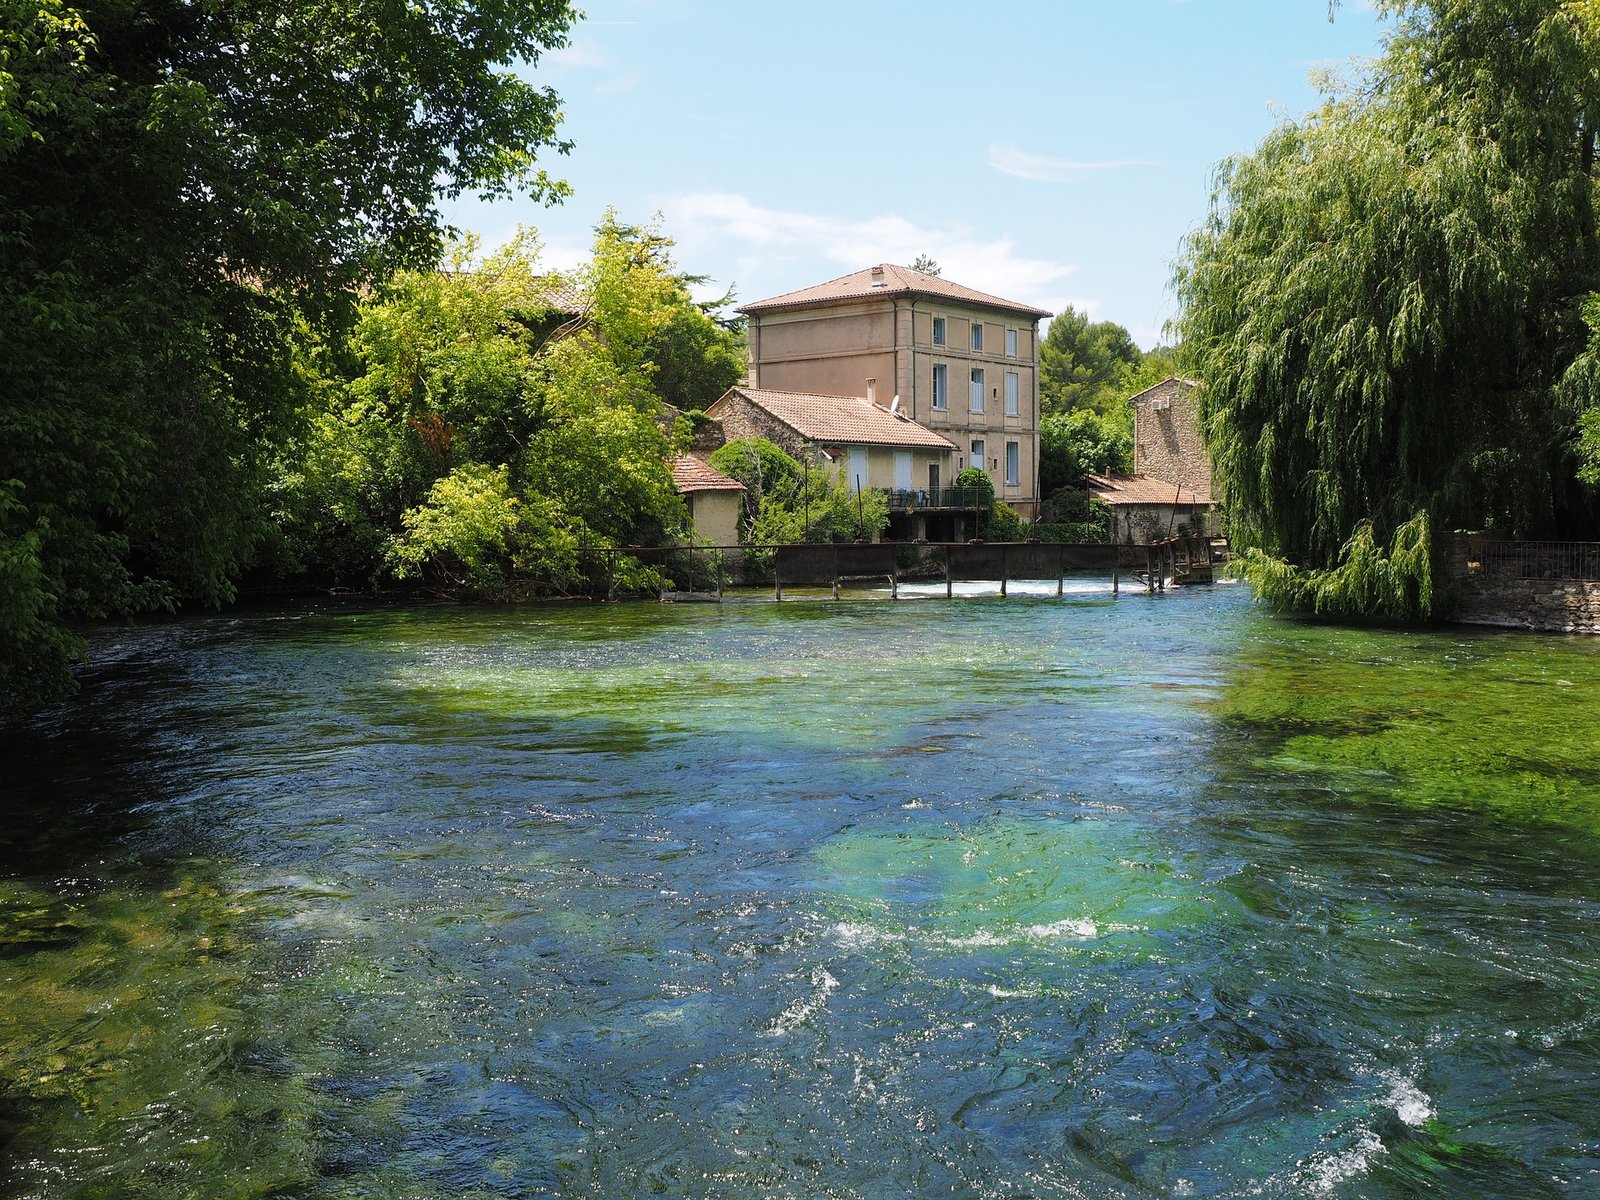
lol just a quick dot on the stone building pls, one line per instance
(958, 361)
(1166, 436)
(1170, 489)
(875, 447)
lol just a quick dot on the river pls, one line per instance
(1085, 897)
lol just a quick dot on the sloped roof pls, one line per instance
(691, 474)
(1189, 384)
(1145, 489)
(886, 279)
(561, 297)
(845, 420)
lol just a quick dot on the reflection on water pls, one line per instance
(1154, 896)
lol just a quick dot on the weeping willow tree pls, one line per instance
(1386, 297)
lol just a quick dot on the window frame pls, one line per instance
(938, 331)
(977, 337)
(1013, 464)
(1011, 343)
(941, 387)
(978, 454)
(975, 389)
(1013, 394)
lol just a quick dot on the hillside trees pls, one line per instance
(1387, 297)
(182, 185)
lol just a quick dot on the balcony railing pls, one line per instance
(905, 499)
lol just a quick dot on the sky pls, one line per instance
(1055, 152)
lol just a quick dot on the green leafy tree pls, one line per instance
(180, 185)
(761, 466)
(1385, 300)
(1081, 442)
(478, 450)
(691, 354)
(1084, 364)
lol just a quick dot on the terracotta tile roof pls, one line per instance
(690, 474)
(886, 279)
(1145, 489)
(561, 297)
(842, 420)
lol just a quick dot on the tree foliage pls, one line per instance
(1386, 297)
(1074, 444)
(789, 501)
(479, 440)
(182, 186)
(1084, 364)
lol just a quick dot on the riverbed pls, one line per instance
(1088, 896)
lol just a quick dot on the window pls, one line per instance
(977, 389)
(978, 460)
(1013, 464)
(938, 331)
(941, 385)
(1011, 343)
(1013, 394)
(977, 335)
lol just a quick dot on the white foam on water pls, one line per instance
(1081, 929)
(1325, 1171)
(854, 936)
(1017, 587)
(802, 1010)
(1410, 1103)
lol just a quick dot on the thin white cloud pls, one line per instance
(1041, 168)
(579, 54)
(778, 235)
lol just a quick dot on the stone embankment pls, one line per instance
(1527, 585)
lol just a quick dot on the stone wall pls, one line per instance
(741, 419)
(1166, 441)
(1550, 605)
(1546, 605)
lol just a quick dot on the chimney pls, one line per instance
(872, 390)
(878, 280)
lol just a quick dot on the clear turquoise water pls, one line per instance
(1159, 896)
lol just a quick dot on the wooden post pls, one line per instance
(1061, 568)
(1005, 568)
(1116, 566)
(949, 588)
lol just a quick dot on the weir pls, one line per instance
(704, 572)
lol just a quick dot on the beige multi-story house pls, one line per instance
(955, 360)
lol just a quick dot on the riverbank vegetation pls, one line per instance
(183, 189)
(1386, 308)
(486, 424)
(250, 366)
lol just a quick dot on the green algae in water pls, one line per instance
(126, 1047)
(1506, 724)
(932, 899)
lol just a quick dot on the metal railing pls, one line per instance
(902, 499)
(1499, 558)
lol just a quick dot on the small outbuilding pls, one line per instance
(715, 501)
(1145, 509)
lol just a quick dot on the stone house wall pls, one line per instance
(741, 419)
(1166, 438)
